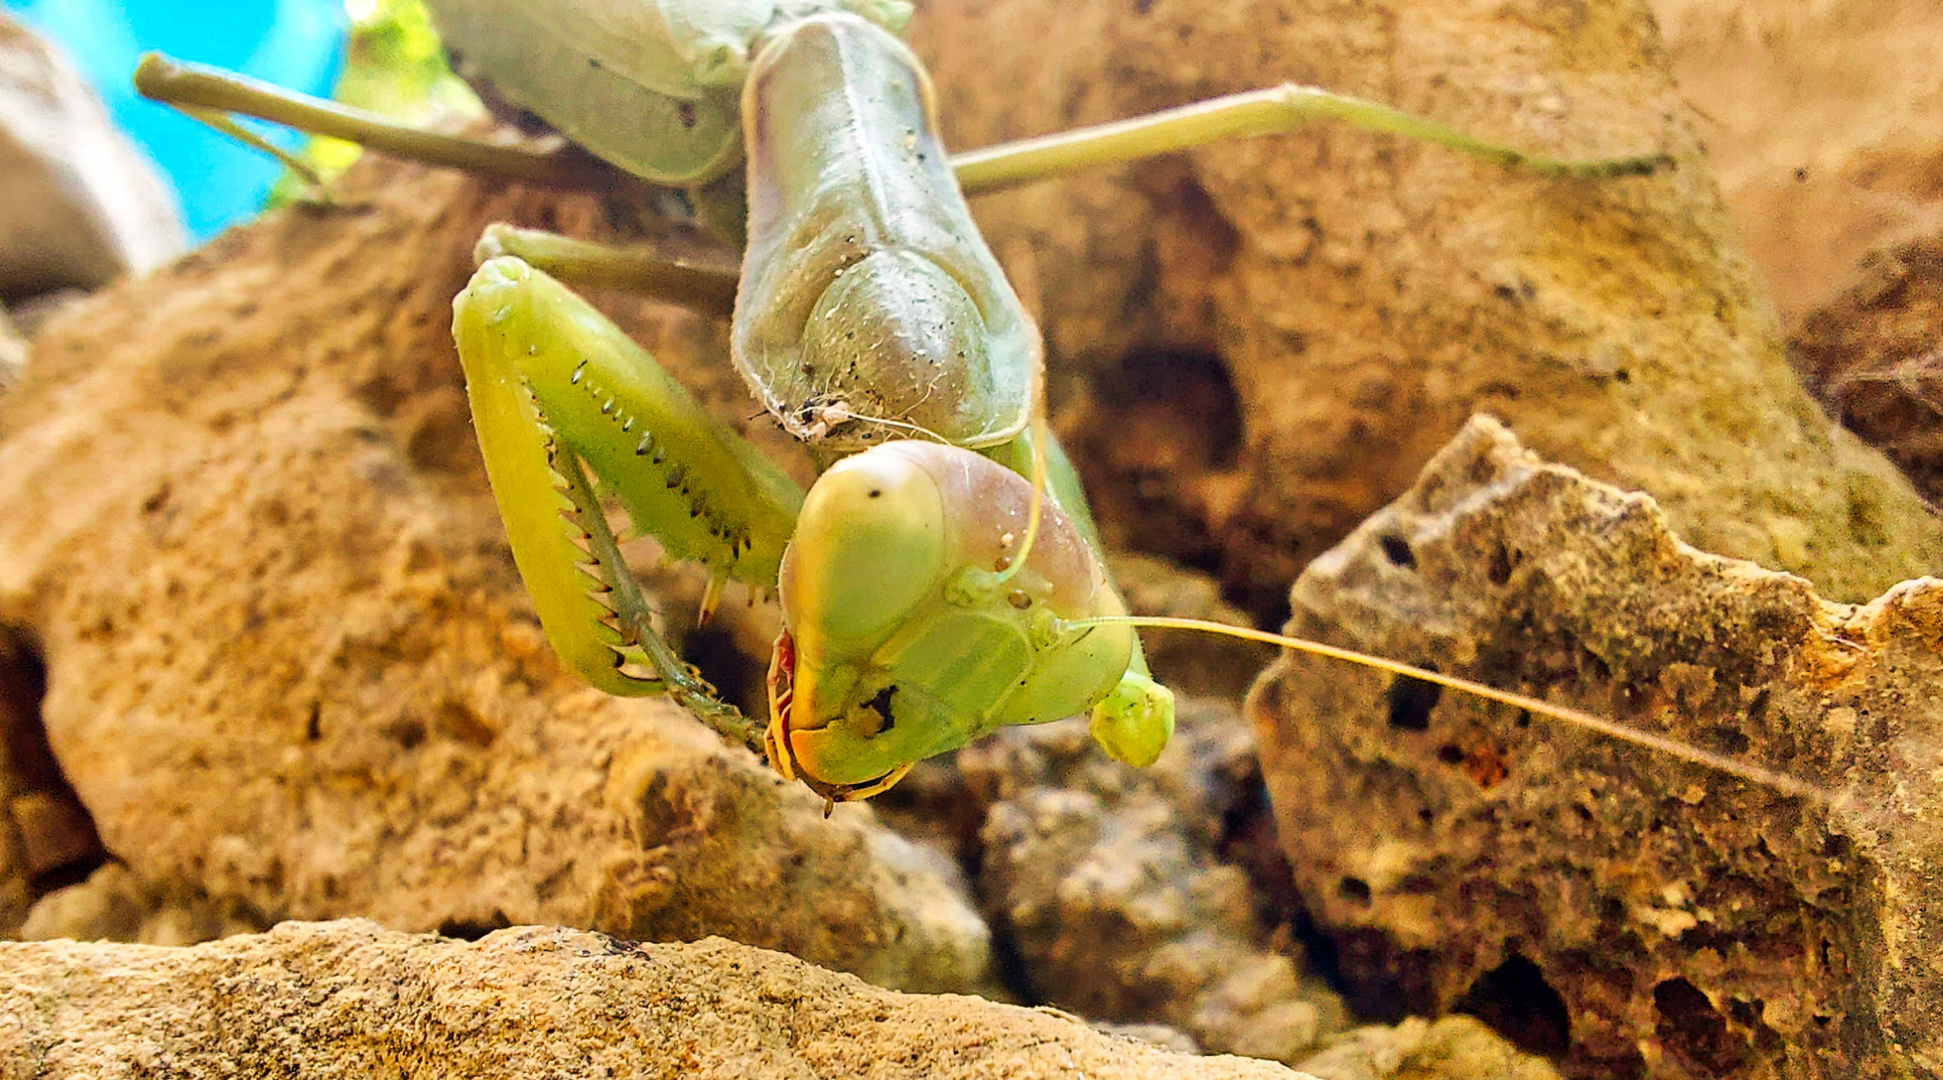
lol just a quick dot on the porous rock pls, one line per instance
(1282, 330)
(1110, 885)
(350, 999)
(1873, 355)
(290, 669)
(79, 205)
(1640, 914)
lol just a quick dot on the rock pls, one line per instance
(290, 669)
(79, 205)
(13, 353)
(1110, 885)
(1821, 123)
(348, 998)
(1278, 332)
(1874, 357)
(1652, 916)
(1454, 1046)
(114, 905)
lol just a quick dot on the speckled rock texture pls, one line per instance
(1112, 886)
(1289, 327)
(1660, 918)
(290, 670)
(1874, 356)
(352, 1000)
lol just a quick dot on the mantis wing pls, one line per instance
(652, 86)
(617, 77)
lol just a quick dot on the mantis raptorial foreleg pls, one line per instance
(558, 393)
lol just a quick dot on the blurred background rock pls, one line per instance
(96, 182)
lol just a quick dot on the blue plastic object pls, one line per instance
(293, 43)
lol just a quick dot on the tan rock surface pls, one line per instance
(1823, 124)
(46, 836)
(349, 999)
(1416, 1049)
(1661, 918)
(291, 672)
(1362, 296)
(290, 669)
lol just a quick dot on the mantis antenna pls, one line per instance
(1040, 433)
(1024, 277)
(1754, 774)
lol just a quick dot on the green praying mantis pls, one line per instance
(942, 578)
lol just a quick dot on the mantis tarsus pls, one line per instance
(931, 592)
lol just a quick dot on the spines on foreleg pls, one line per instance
(557, 393)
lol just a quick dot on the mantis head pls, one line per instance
(905, 635)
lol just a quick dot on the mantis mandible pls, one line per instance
(942, 578)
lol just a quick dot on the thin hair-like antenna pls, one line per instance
(1754, 774)
(1023, 267)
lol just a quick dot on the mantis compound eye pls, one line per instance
(868, 553)
(868, 547)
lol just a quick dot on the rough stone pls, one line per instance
(1658, 917)
(1110, 886)
(1281, 331)
(290, 669)
(79, 205)
(350, 999)
(1874, 356)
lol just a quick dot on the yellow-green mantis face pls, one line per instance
(911, 629)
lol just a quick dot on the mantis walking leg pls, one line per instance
(206, 92)
(211, 96)
(702, 289)
(558, 393)
(1258, 112)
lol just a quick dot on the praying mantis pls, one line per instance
(942, 578)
